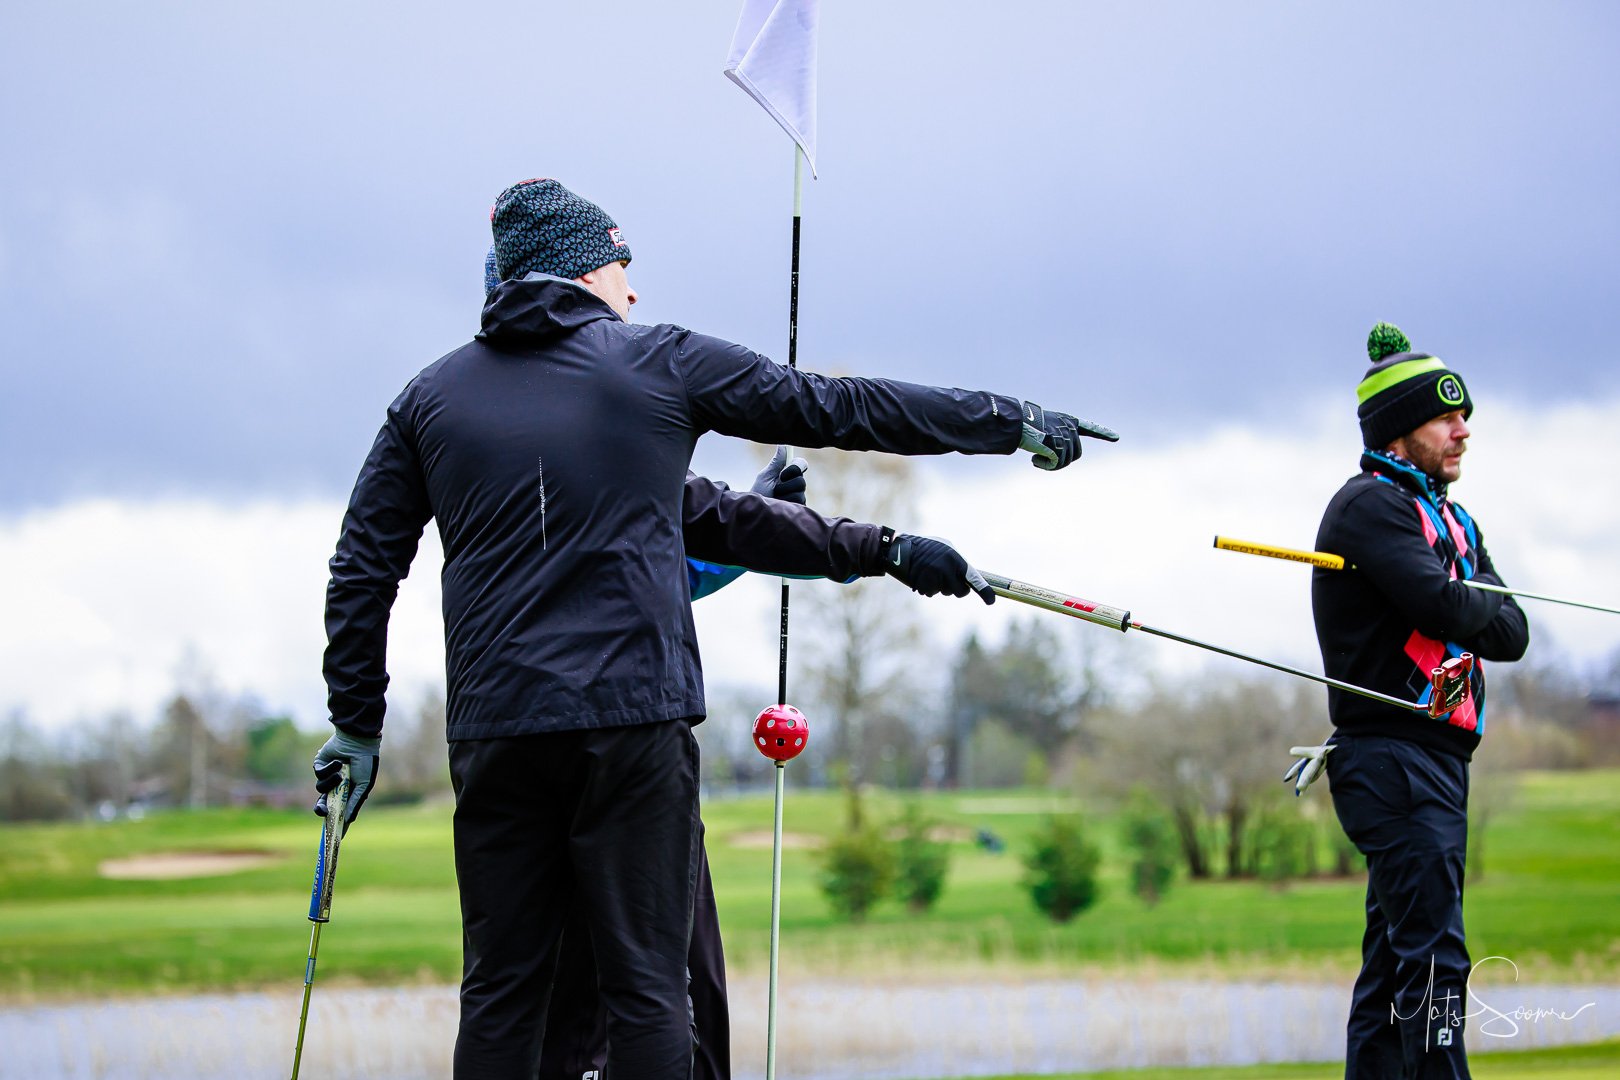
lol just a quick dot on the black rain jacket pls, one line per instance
(552, 450)
(1403, 609)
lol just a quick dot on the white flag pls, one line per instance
(773, 58)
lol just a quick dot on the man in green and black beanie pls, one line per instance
(1400, 779)
(1404, 390)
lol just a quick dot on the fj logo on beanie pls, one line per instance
(1403, 389)
(539, 225)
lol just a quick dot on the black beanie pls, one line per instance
(1403, 389)
(539, 225)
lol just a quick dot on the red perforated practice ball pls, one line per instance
(780, 732)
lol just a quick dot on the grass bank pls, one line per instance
(1600, 1061)
(1549, 900)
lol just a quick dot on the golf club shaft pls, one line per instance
(333, 825)
(1328, 561)
(1484, 586)
(776, 924)
(309, 984)
(1120, 619)
(1300, 672)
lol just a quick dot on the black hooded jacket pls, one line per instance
(1402, 608)
(552, 450)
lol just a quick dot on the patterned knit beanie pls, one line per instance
(1403, 389)
(492, 276)
(540, 225)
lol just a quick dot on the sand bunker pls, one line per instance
(184, 864)
(764, 839)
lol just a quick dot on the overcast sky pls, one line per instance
(230, 234)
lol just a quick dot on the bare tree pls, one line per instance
(183, 749)
(30, 790)
(100, 761)
(1039, 685)
(418, 761)
(860, 640)
(1213, 755)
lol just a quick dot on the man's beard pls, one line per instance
(1431, 459)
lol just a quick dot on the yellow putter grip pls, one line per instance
(1322, 559)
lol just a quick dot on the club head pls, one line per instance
(1450, 685)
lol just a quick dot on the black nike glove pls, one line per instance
(1054, 437)
(931, 566)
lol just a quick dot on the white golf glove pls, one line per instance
(1312, 761)
(782, 479)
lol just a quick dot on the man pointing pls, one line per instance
(552, 451)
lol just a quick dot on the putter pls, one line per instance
(780, 733)
(1328, 561)
(333, 807)
(1448, 683)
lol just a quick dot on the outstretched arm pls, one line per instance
(780, 479)
(775, 537)
(736, 391)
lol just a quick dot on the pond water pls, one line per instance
(827, 1030)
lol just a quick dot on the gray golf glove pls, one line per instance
(363, 756)
(782, 479)
(1311, 764)
(1054, 437)
(931, 566)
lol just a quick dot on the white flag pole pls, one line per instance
(773, 60)
(781, 682)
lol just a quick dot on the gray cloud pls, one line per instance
(232, 232)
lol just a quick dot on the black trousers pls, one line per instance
(1406, 809)
(576, 1028)
(602, 822)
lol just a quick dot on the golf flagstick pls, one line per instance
(773, 59)
(1327, 561)
(780, 733)
(1449, 681)
(320, 896)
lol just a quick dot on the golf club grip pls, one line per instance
(1025, 593)
(337, 808)
(1323, 559)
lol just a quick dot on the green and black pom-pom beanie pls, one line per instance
(539, 225)
(1404, 389)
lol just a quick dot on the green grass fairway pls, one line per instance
(1600, 1061)
(1551, 901)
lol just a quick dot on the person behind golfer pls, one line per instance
(552, 452)
(576, 1041)
(1400, 780)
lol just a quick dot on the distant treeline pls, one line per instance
(1040, 708)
